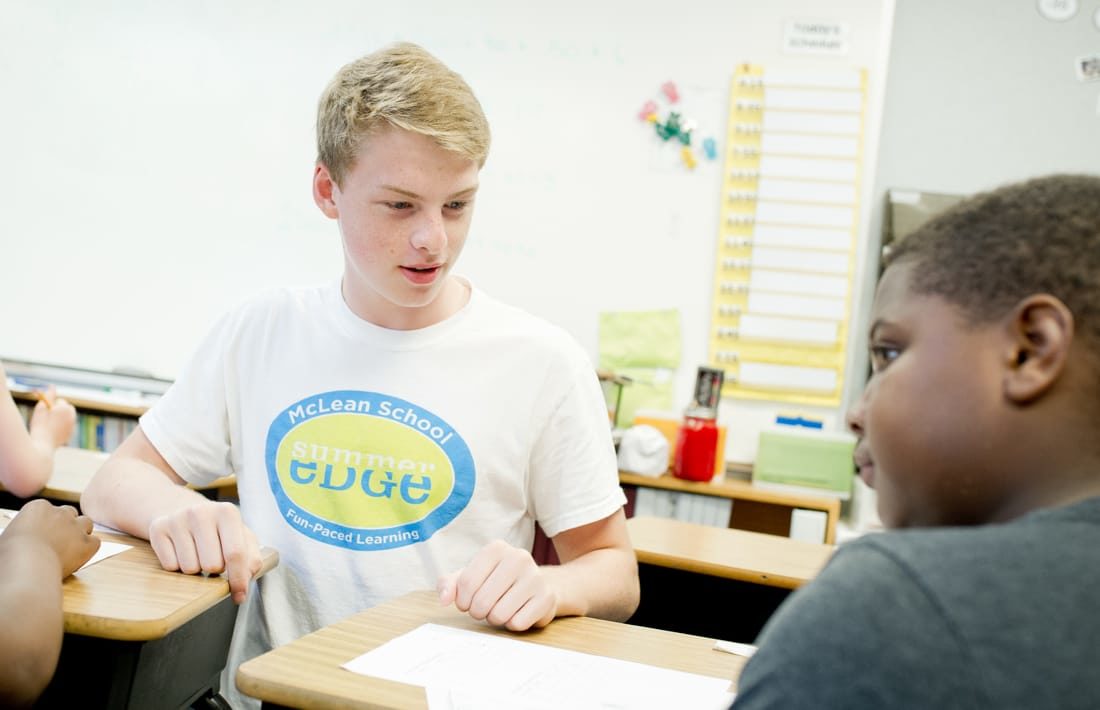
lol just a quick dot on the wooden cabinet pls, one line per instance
(753, 508)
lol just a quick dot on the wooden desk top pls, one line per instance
(73, 469)
(307, 672)
(723, 552)
(130, 597)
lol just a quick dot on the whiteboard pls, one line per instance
(157, 156)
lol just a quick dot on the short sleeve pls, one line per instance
(573, 480)
(189, 425)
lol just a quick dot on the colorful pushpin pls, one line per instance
(710, 149)
(649, 111)
(669, 90)
(688, 157)
(670, 128)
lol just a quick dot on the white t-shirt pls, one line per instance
(375, 460)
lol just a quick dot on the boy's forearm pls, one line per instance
(30, 604)
(602, 583)
(25, 465)
(128, 494)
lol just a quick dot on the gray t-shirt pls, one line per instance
(996, 616)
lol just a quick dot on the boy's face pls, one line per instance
(404, 211)
(927, 420)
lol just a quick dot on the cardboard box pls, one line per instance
(811, 460)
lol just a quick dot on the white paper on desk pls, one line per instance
(473, 669)
(106, 549)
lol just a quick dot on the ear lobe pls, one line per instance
(1041, 330)
(324, 188)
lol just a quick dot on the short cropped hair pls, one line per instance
(404, 86)
(990, 251)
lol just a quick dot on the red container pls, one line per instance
(696, 448)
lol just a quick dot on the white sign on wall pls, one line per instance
(816, 37)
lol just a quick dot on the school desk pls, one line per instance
(137, 636)
(306, 673)
(73, 470)
(721, 581)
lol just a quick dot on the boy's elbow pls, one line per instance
(29, 476)
(93, 499)
(632, 593)
(23, 487)
(25, 679)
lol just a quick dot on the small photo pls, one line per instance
(1088, 68)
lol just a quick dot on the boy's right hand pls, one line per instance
(58, 527)
(208, 537)
(52, 420)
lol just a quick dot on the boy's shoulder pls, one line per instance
(902, 611)
(943, 554)
(493, 317)
(279, 298)
(277, 302)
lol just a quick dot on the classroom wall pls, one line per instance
(980, 93)
(157, 158)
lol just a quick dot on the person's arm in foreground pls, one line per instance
(188, 531)
(598, 576)
(26, 458)
(40, 547)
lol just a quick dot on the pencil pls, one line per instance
(43, 399)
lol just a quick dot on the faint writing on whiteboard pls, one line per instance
(816, 37)
(1088, 68)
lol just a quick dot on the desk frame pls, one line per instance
(174, 671)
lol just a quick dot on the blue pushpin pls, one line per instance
(710, 149)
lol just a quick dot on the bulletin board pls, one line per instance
(785, 252)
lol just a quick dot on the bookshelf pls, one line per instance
(108, 404)
(728, 501)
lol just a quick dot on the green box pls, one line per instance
(811, 460)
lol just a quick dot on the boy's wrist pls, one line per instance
(44, 444)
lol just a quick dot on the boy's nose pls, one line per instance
(431, 236)
(854, 417)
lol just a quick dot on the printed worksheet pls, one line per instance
(466, 669)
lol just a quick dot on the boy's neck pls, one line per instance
(452, 298)
(1055, 487)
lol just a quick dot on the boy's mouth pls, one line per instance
(422, 274)
(865, 466)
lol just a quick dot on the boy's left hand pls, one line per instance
(503, 586)
(52, 420)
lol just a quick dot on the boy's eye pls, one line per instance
(457, 205)
(882, 356)
(399, 205)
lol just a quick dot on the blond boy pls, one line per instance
(397, 429)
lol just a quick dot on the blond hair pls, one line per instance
(401, 85)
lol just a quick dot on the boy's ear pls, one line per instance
(323, 188)
(1041, 330)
